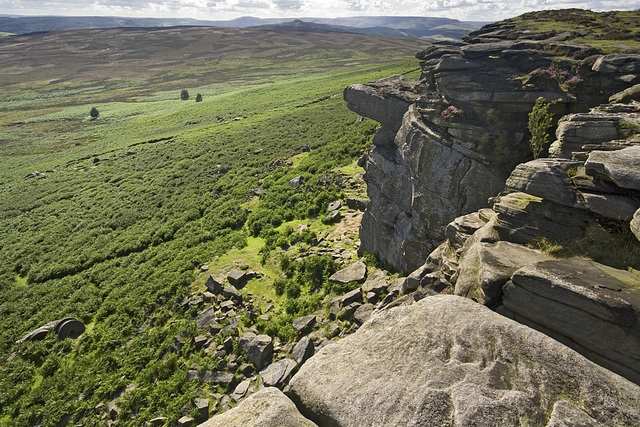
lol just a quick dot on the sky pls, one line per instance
(466, 10)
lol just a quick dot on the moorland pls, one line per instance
(109, 218)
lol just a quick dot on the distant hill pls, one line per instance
(413, 27)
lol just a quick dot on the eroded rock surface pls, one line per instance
(446, 360)
(266, 408)
(586, 305)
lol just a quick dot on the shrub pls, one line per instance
(540, 120)
(184, 95)
(94, 113)
(198, 98)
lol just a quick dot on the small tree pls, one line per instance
(198, 98)
(540, 121)
(94, 113)
(184, 95)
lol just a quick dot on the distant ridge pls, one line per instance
(394, 26)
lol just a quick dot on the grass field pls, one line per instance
(108, 219)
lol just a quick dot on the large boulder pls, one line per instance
(592, 308)
(266, 408)
(446, 360)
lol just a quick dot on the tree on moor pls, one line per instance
(198, 97)
(184, 95)
(94, 113)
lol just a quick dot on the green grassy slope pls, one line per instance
(124, 208)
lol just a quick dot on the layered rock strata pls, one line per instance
(449, 141)
(589, 306)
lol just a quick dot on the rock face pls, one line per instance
(449, 141)
(588, 306)
(266, 408)
(446, 360)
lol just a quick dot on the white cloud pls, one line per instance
(480, 10)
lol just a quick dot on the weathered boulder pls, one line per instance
(304, 324)
(237, 278)
(278, 373)
(240, 390)
(523, 217)
(213, 285)
(486, 267)
(259, 348)
(450, 361)
(635, 224)
(231, 293)
(216, 377)
(376, 282)
(303, 350)
(621, 167)
(590, 307)
(363, 313)
(356, 272)
(206, 318)
(202, 405)
(267, 408)
(548, 179)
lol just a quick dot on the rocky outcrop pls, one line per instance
(449, 141)
(590, 307)
(266, 408)
(446, 360)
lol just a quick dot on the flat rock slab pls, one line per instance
(354, 273)
(589, 306)
(304, 324)
(267, 408)
(621, 167)
(446, 361)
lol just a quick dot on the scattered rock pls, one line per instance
(213, 285)
(202, 405)
(206, 318)
(157, 422)
(476, 368)
(357, 204)
(363, 313)
(216, 377)
(278, 373)
(304, 324)
(259, 349)
(237, 278)
(296, 182)
(268, 407)
(240, 390)
(355, 296)
(356, 272)
(376, 282)
(186, 421)
(303, 350)
(232, 293)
